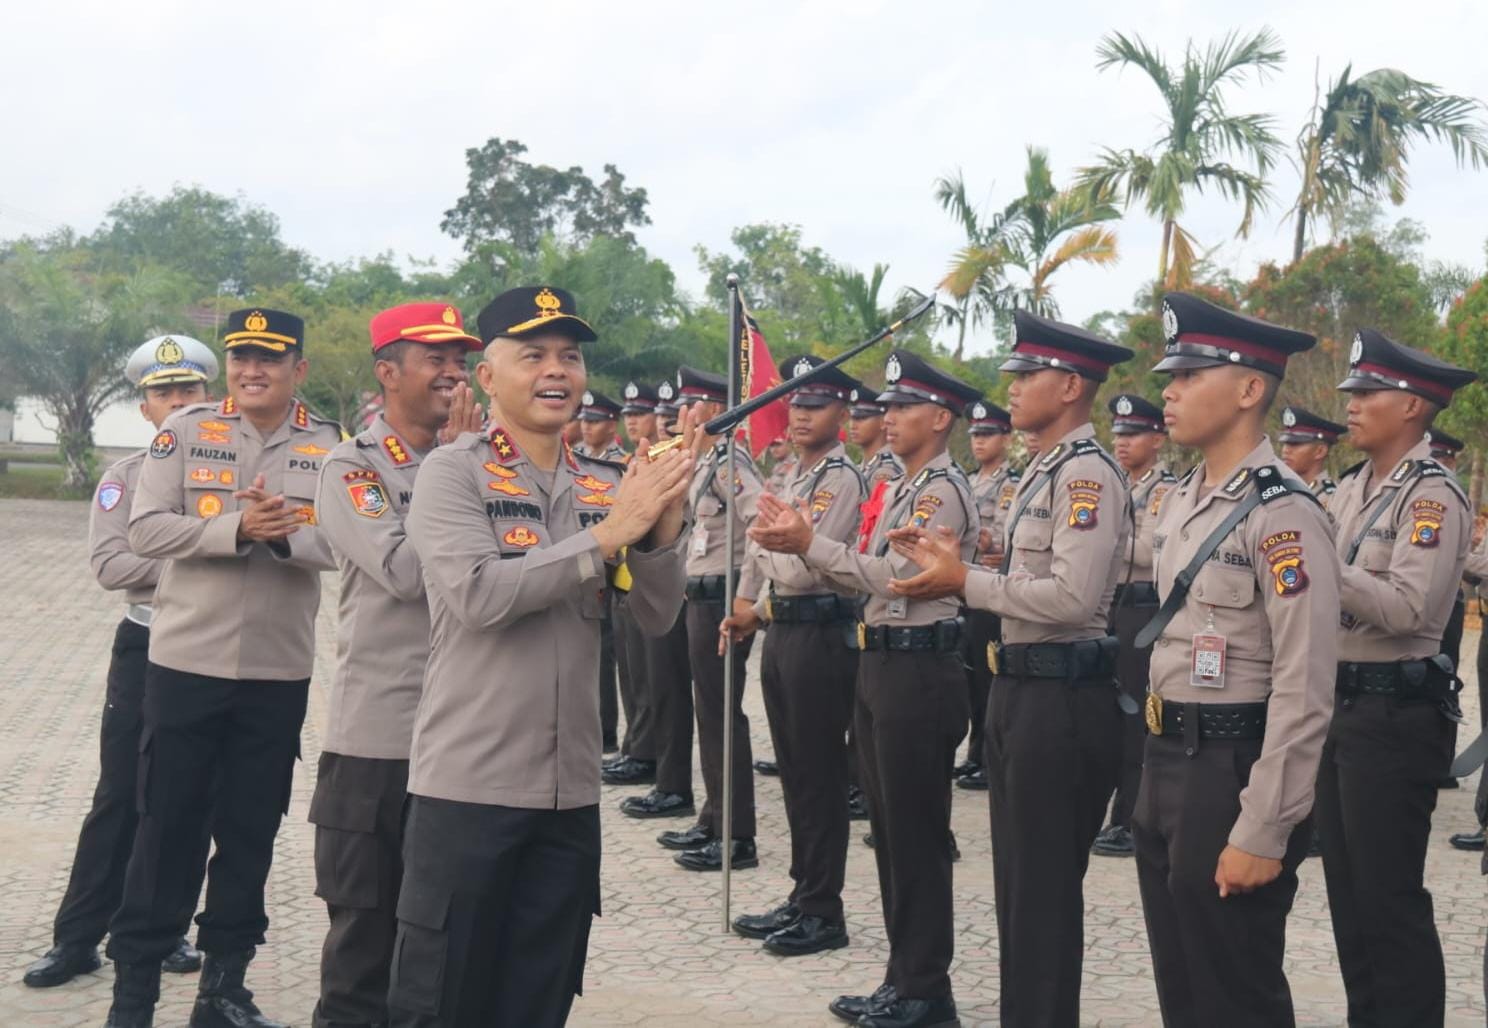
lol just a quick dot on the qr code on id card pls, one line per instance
(1208, 664)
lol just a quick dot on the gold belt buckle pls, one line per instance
(1152, 710)
(992, 658)
(862, 635)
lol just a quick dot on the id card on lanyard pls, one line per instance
(1207, 670)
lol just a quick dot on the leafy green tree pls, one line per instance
(513, 203)
(220, 243)
(1200, 138)
(66, 327)
(975, 280)
(1357, 141)
(1465, 343)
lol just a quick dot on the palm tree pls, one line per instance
(974, 279)
(860, 293)
(1200, 140)
(1038, 233)
(1357, 142)
(1066, 222)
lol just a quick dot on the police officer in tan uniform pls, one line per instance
(1053, 721)
(912, 701)
(866, 432)
(514, 530)
(783, 465)
(170, 372)
(993, 484)
(807, 670)
(1306, 440)
(1404, 531)
(598, 417)
(665, 674)
(1138, 436)
(1239, 699)
(703, 845)
(227, 497)
(1444, 450)
(382, 646)
(637, 758)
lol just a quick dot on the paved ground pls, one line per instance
(658, 957)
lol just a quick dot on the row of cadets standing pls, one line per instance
(1138, 435)
(808, 670)
(911, 706)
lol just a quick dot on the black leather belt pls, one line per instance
(1388, 678)
(1136, 594)
(941, 637)
(822, 608)
(1215, 720)
(704, 587)
(1089, 658)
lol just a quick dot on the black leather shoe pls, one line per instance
(1470, 841)
(222, 1001)
(850, 1008)
(710, 857)
(811, 934)
(184, 959)
(767, 767)
(136, 991)
(857, 805)
(912, 1013)
(686, 839)
(1449, 782)
(976, 780)
(608, 762)
(955, 850)
(657, 804)
(1114, 841)
(966, 767)
(629, 772)
(760, 926)
(61, 964)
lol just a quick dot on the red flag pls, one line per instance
(769, 422)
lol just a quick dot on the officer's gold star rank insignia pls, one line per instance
(394, 447)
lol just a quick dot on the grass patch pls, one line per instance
(37, 482)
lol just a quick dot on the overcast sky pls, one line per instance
(350, 121)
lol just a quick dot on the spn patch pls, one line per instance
(1426, 521)
(507, 488)
(521, 536)
(208, 505)
(163, 445)
(1283, 553)
(368, 498)
(925, 508)
(1084, 512)
(109, 495)
(820, 501)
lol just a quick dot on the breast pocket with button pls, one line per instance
(1033, 548)
(1232, 594)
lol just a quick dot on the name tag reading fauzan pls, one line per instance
(1208, 668)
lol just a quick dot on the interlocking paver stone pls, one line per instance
(659, 956)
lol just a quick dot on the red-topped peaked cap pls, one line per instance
(431, 323)
(1042, 343)
(1378, 362)
(1200, 334)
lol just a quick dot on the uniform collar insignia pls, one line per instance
(819, 465)
(1402, 471)
(229, 406)
(1051, 456)
(501, 445)
(568, 455)
(301, 415)
(1237, 481)
(396, 450)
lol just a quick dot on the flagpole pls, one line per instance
(726, 831)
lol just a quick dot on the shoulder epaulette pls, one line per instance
(820, 468)
(1273, 485)
(584, 458)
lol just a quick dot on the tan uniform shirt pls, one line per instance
(883, 466)
(224, 608)
(1147, 495)
(509, 715)
(382, 633)
(613, 452)
(707, 549)
(781, 475)
(114, 564)
(1272, 588)
(1398, 593)
(937, 495)
(835, 490)
(994, 495)
(1067, 550)
(1323, 489)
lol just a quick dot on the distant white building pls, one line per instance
(119, 425)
